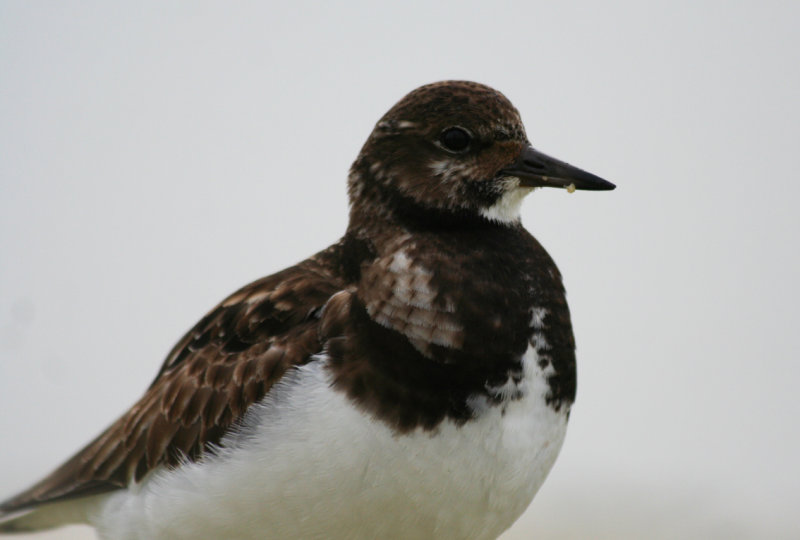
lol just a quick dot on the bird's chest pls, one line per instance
(462, 293)
(364, 480)
(307, 463)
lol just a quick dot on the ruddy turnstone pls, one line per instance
(413, 380)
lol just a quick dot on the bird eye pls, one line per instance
(455, 139)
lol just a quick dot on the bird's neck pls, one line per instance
(376, 209)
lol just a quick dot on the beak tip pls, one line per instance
(590, 182)
(605, 185)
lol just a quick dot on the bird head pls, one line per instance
(454, 148)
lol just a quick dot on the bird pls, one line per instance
(412, 380)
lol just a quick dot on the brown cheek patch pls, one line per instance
(497, 157)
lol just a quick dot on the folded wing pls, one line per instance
(227, 362)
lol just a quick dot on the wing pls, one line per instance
(227, 362)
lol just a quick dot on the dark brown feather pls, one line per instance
(227, 362)
(423, 308)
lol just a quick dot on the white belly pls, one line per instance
(310, 465)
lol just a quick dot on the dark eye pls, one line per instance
(455, 139)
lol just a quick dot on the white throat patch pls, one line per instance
(506, 209)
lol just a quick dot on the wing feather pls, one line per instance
(225, 363)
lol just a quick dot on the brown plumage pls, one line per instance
(425, 304)
(227, 362)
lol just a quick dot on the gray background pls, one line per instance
(156, 156)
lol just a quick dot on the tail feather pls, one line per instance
(46, 516)
(58, 499)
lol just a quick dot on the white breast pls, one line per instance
(308, 464)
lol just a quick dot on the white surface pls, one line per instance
(154, 157)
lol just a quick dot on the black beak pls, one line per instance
(535, 169)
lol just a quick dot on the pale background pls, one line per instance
(156, 156)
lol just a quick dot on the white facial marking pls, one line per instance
(506, 209)
(441, 167)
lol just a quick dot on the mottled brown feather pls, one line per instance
(224, 364)
(423, 307)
